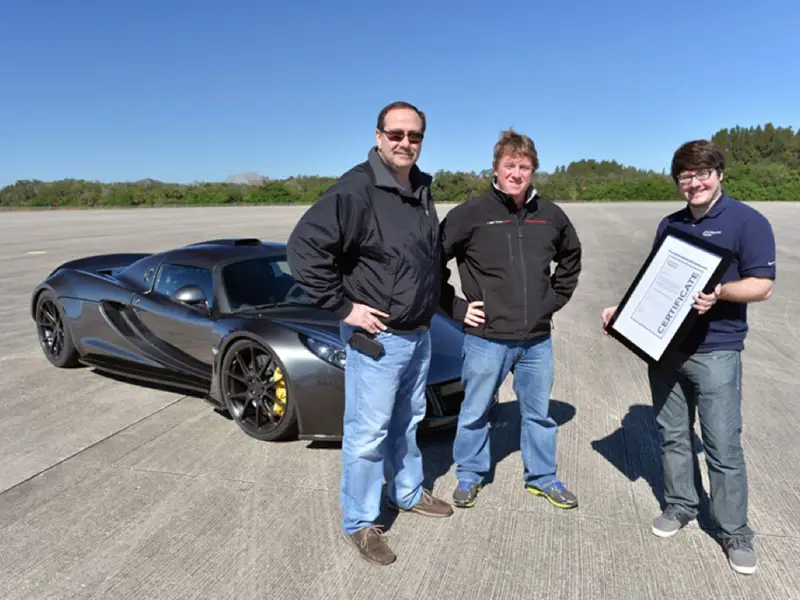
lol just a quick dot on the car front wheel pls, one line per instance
(256, 392)
(55, 337)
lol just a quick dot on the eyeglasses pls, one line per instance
(700, 176)
(397, 135)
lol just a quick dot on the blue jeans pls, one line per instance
(384, 403)
(486, 365)
(711, 384)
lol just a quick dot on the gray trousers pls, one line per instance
(709, 384)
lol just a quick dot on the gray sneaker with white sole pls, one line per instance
(741, 555)
(670, 522)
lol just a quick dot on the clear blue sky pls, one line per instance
(195, 90)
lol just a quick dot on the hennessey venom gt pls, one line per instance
(225, 319)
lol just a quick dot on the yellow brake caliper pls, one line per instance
(280, 392)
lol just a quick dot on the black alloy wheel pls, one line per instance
(55, 337)
(256, 392)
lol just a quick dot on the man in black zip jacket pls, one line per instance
(369, 251)
(504, 242)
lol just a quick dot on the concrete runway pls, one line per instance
(113, 491)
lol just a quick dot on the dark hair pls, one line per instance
(399, 104)
(515, 144)
(696, 155)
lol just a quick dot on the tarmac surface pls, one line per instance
(114, 491)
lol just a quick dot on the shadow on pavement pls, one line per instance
(634, 449)
(437, 447)
(504, 438)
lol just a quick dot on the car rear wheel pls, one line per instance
(256, 392)
(55, 337)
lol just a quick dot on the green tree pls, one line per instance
(272, 192)
(763, 163)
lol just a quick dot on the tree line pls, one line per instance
(763, 163)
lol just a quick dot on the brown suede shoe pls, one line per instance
(429, 506)
(371, 544)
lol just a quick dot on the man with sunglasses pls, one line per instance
(369, 251)
(705, 374)
(504, 242)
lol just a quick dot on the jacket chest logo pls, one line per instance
(506, 221)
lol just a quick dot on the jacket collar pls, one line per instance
(507, 199)
(382, 176)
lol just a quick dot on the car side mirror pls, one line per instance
(190, 295)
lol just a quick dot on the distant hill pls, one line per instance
(247, 178)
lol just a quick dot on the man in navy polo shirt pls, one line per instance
(705, 373)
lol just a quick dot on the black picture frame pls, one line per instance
(725, 257)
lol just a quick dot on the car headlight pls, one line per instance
(330, 354)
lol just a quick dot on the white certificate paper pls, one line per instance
(665, 294)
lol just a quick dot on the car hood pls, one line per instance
(447, 337)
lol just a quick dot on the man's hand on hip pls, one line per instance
(364, 316)
(475, 317)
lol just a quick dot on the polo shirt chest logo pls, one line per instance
(710, 233)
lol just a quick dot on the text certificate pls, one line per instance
(660, 300)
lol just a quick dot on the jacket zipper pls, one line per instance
(524, 278)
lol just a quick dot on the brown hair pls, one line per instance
(696, 155)
(515, 143)
(399, 104)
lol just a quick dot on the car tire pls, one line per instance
(257, 392)
(53, 332)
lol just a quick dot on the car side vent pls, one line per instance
(247, 242)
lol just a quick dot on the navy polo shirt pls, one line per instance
(748, 234)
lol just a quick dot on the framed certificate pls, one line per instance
(656, 311)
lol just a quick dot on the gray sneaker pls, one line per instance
(670, 522)
(556, 494)
(741, 555)
(466, 494)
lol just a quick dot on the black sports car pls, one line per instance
(226, 319)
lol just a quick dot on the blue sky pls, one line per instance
(183, 91)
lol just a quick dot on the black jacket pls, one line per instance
(504, 256)
(367, 241)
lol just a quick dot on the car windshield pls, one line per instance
(261, 282)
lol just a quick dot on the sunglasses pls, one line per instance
(397, 135)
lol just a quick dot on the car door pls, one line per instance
(179, 334)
